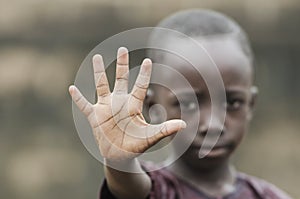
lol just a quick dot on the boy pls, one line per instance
(123, 134)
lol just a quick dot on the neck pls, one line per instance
(216, 180)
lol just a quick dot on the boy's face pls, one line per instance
(236, 72)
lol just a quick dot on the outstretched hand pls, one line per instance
(119, 127)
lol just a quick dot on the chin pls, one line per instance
(211, 160)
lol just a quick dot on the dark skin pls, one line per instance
(213, 174)
(122, 134)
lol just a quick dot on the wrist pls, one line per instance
(129, 165)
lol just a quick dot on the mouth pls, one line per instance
(215, 151)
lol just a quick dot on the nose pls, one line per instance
(211, 122)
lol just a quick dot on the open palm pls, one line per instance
(118, 125)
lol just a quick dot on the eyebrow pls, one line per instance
(232, 91)
(199, 93)
(186, 91)
(196, 93)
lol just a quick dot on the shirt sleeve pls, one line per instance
(105, 192)
(271, 191)
(164, 186)
(265, 189)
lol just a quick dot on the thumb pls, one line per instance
(167, 128)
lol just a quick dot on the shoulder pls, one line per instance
(263, 188)
(164, 183)
(159, 174)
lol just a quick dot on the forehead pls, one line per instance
(222, 54)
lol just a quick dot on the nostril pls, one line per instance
(203, 130)
(212, 133)
(203, 133)
(221, 133)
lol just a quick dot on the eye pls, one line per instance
(188, 105)
(234, 104)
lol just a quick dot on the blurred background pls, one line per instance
(42, 44)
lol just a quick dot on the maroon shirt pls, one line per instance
(165, 185)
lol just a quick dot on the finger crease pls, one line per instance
(101, 85)
(122, 64)
(133, 95)
(140, 86)
(122, 78)
(80, 97)
(98, 72)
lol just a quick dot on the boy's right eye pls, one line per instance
(186, 105)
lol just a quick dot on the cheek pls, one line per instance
(172, 112)
(185, 136)
(237, 126)
(191, 117)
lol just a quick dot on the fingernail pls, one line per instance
(97, 57)
(147, 61)
(71, 89)
(183, 124)
(122, 50)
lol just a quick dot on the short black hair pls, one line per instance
(205, 23)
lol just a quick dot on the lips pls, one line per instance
(212, 151)
(213, 147)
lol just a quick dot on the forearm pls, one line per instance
(125, 185)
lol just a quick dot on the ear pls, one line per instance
(253, 93)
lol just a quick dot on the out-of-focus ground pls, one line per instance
(42, 44)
